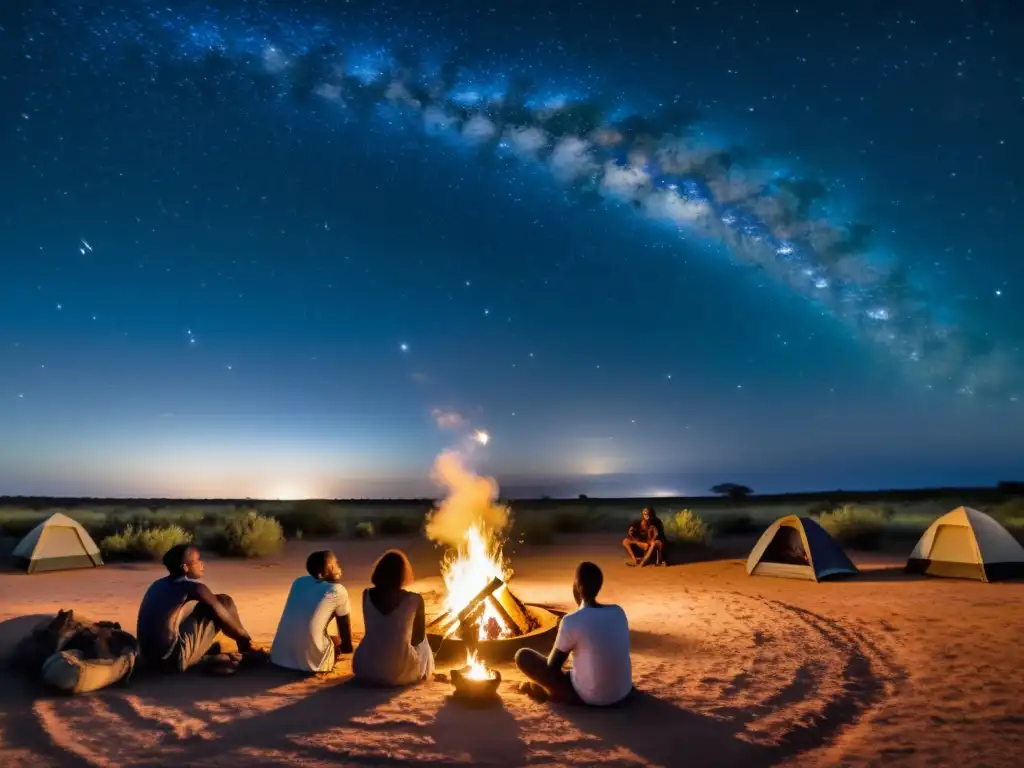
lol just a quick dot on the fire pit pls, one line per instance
(483, 617)
(475, 680)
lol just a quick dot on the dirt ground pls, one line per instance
(882, 670)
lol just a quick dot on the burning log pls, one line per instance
(477, 602)
(495, 595)
(512, 610)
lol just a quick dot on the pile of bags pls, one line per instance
(76, 655)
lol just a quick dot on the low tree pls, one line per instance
(732, 490)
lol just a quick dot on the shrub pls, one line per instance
(398, 525)
(249, 535)
(818, 508)
(686, 527)
(573, 521)
(733, 525)
(143, 543)
(1008, 511)
(364, 530)
(313, 518)
(855, 526)
(534, 530)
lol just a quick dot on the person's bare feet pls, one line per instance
(534, 691)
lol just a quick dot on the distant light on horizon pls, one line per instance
(662, 493)
(291, 493)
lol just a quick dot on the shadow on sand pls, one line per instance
(673, 736)
(886, 574)
(486, 731)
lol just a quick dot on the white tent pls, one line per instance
(967, 544)
(56, 544)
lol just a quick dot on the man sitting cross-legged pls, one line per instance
(171, 636)
(646, 539)
(302, 641)
(597, 636)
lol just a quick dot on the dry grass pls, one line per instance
(536, 521)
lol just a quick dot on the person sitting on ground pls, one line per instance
(597, 637)
(302, 641)
(645, 539)
(180, 617)
(394, 651)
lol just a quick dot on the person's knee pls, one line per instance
(525, 659)
(226, 601)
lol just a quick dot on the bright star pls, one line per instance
(482, 437)
(404, 347)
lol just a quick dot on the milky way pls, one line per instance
(655, 163)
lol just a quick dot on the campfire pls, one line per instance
(482, 619)
(479, 606)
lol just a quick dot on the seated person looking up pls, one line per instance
(597, 637)
(180, 617)
(645, 539)
(395, 650)
(302, 641)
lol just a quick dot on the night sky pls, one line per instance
(292, 249)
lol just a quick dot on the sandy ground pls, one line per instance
(732, 670)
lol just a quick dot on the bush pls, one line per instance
(1008, 511)
(364, 530)
(314, 518)
(534, 530)
(249, 535)
(398, 525)
(143, 543)
(855, 526)
(733, 525)
(573, 521)
(818, 508)
(686, 527)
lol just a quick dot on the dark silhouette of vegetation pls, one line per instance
(732, 490)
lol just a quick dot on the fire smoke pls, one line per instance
(469, 500)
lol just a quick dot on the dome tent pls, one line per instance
(796, 547)
(967, 544)
(57, 544)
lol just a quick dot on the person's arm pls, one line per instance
(419, 623)
(226, 620)
(557, 659)
(565, 641)
(344, 624)
(342, 619)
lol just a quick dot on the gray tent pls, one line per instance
(56, 544)
(798, 548)
(967, 544)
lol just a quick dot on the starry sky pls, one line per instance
(295, 249)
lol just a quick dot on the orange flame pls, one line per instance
(469, 569)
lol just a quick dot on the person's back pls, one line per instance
(302, 642)
(161, 613)
(386, 655)
(395, 649)
(597, 636)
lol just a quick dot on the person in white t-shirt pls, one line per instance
(302, 641)
(597, 637)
